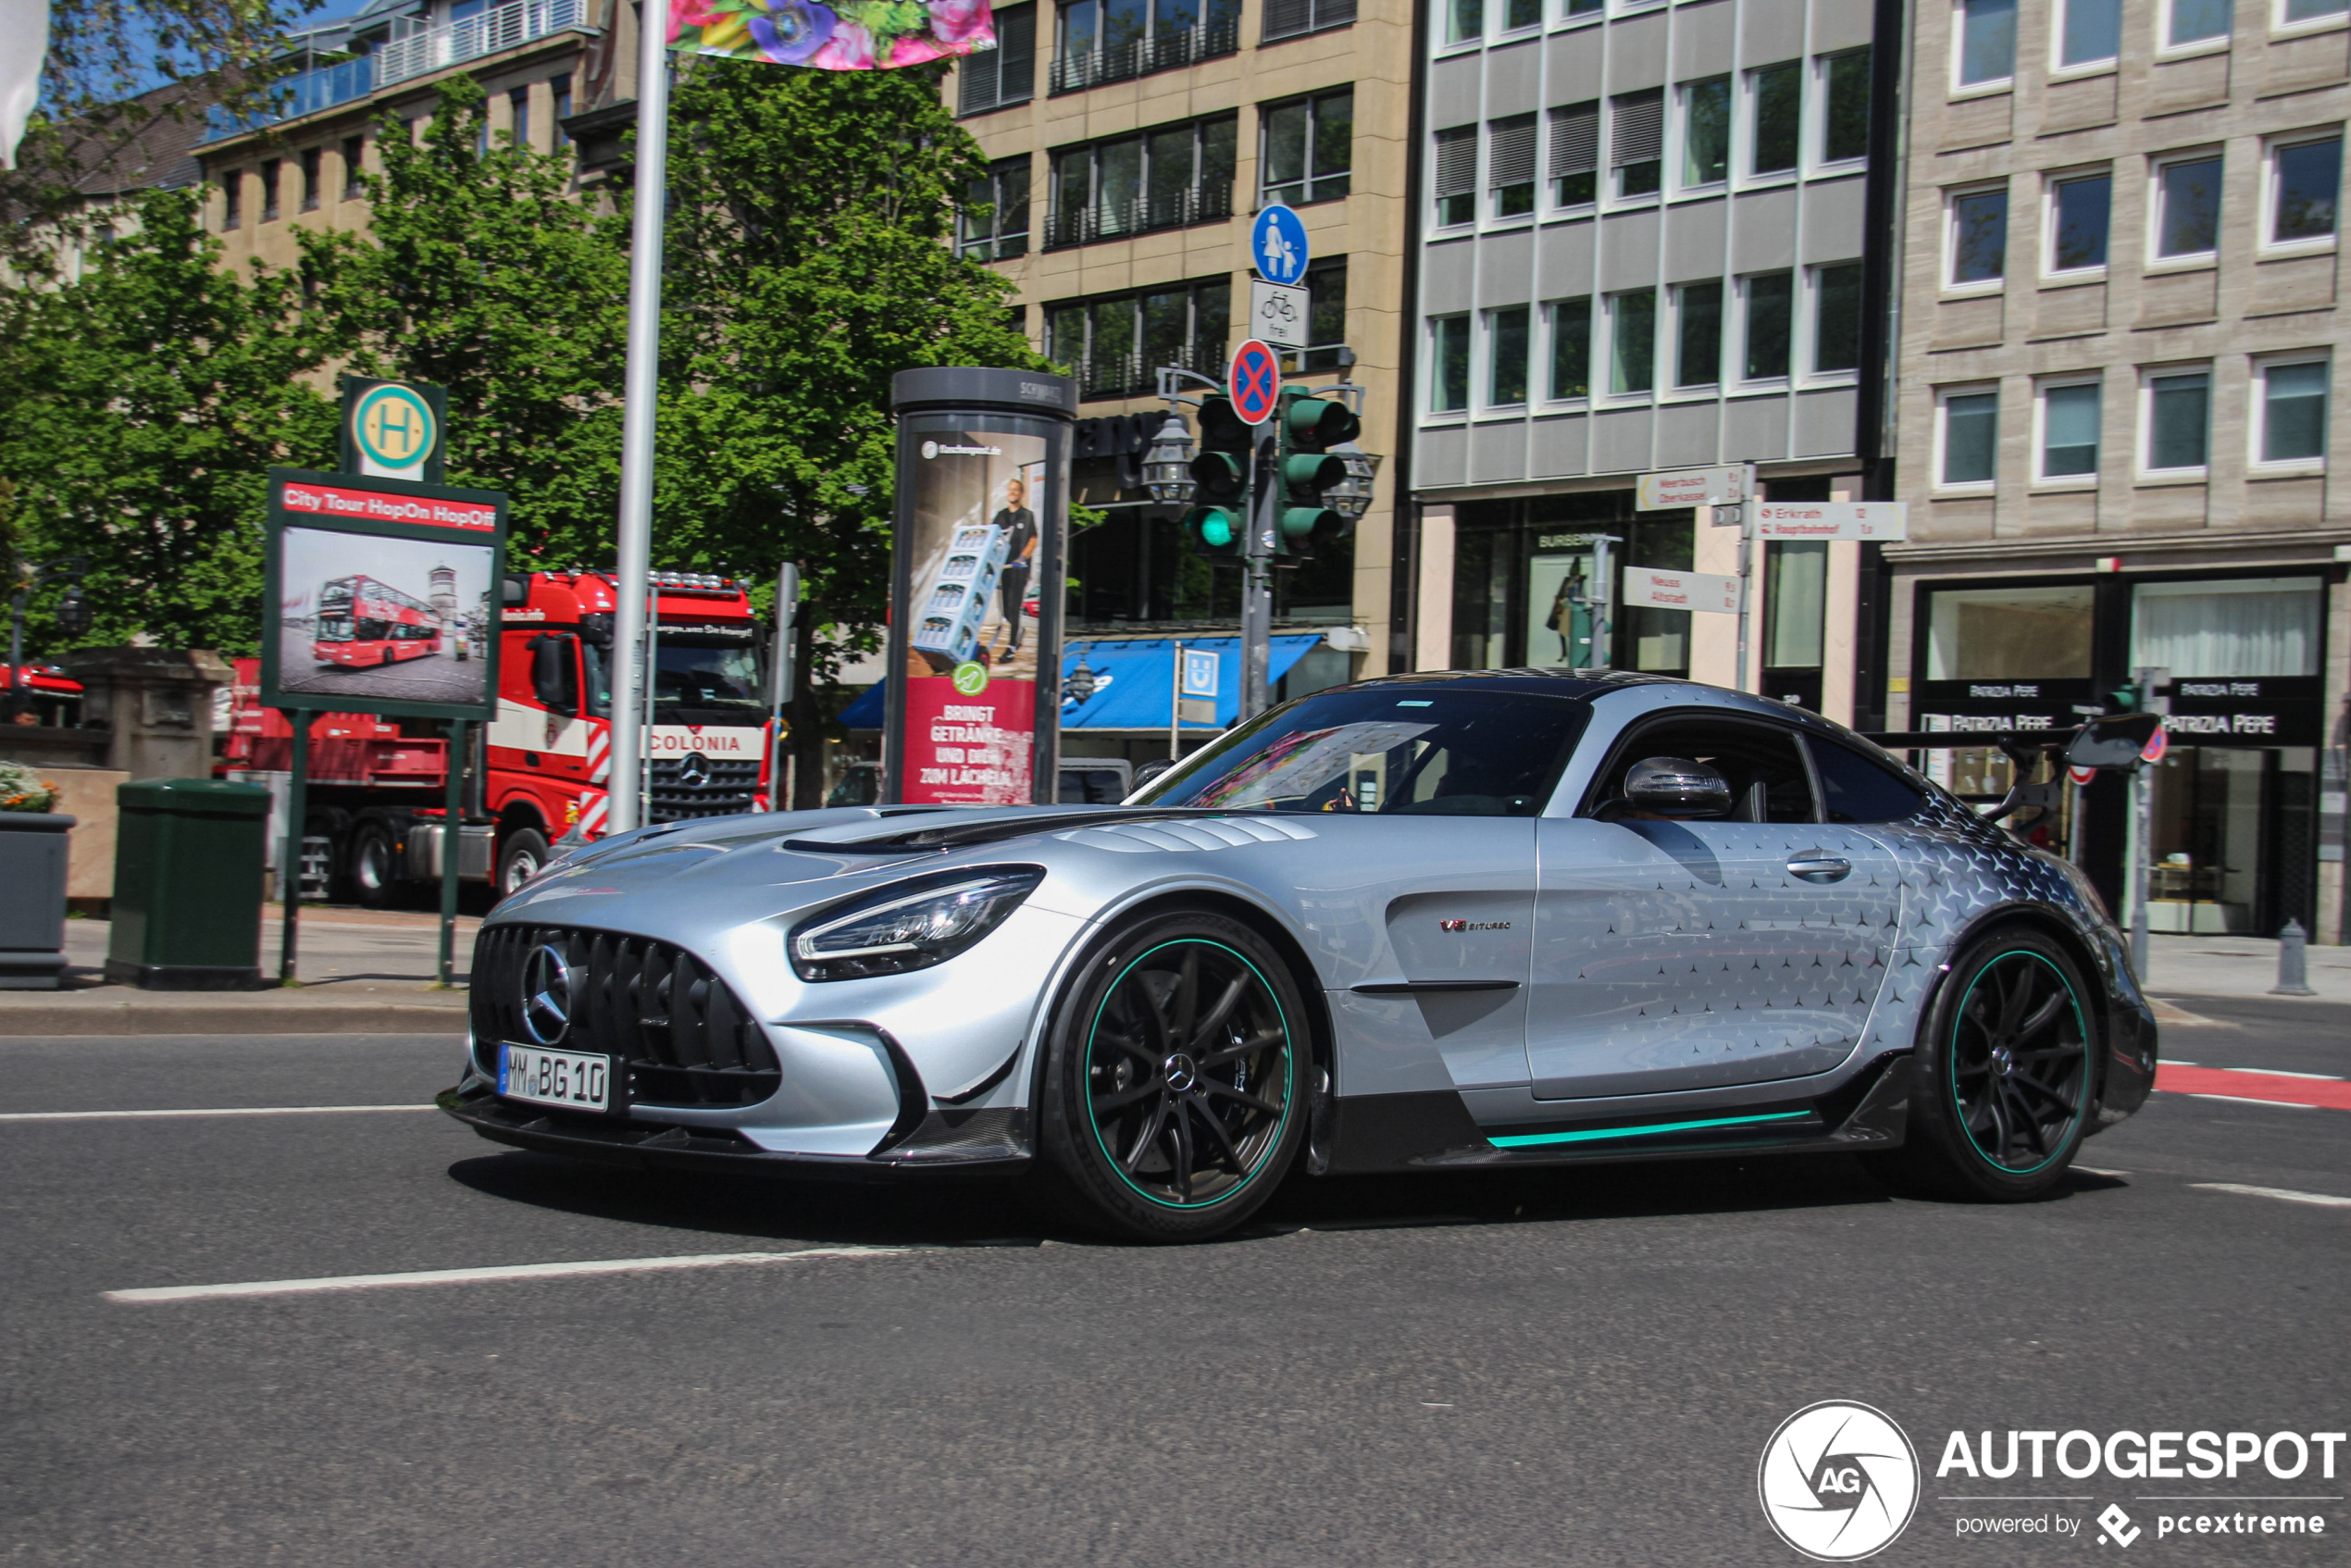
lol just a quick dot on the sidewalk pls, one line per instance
(2238, 967)
(363, 971)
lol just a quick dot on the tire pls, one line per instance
(371, 867)
(2006, 1074)
(1175, 1088)
(521, 854)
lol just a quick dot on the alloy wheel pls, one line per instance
(2019, 1062)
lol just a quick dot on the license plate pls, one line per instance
(555, 1077)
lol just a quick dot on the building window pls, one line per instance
(271, 169)
(1987, 41)
(1771, 324)
(313, 163)
(1309, 148)
(1505, 349)
(2078, 215)
(1518, 14)
(1575, 154)
(2197, 21)
(1979, 237)
(2002, 633)
(1105, 41)
(1844, 119)
(2240, 627)
(1706, 132)
(1697, 334)
(1969, 439)
(2069, 421)
(1795, 573)
(1836, 316)
(1632, 332)
(2295, 12)
(1510, 165)
(1572, 348)
(559, 100)
(2179, 422)
(1457, 176)
(519, 119)
(1464, 20)
(1636, 141)
(1777, 93)
(1007, 74)
(1326, 319)
(1115, 344)
(2292, 413)
(2305, 178)
(2092, 33)
(995, 216)
(1448, 364)
(355, 156)
(1140, 184)
(2187, 208)
(1290, 18)
(232, 199)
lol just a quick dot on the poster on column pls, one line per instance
(971, 645)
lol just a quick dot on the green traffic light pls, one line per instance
(1216, 527)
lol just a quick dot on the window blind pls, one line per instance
(1637, 128)
(1575, 139)
(1512, 159)
(1457, 160)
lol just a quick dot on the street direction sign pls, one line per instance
(1278, 314)
(1709, 592)
(1255, 382)
(1277, 245)
(1879, 520)
(1678, 488)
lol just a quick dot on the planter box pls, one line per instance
(32, 915)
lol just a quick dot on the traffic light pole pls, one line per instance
(1257, 575)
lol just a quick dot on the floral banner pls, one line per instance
(844, 35)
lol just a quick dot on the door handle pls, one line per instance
(1814, 866)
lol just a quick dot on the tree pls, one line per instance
(140, 407)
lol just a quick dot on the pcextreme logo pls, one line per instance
(1838, 1481)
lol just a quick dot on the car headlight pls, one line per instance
(909, 925)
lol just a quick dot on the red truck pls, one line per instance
(373, 801)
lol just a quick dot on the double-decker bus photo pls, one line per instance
(362, 621)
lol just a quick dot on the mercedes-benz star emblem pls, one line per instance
(693, 772)
(546, 994)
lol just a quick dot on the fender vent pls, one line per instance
(1191, 834)
(684, 1038)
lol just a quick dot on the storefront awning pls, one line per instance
(1134, 682)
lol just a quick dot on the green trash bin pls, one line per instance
(186, 885)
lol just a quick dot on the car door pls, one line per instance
(1704, 954)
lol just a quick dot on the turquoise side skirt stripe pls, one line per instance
(1536, 1140)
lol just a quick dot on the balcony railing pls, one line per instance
(1122, 62)
(1144, 215)
(303, 93)
(421, 50)
(1137, 375)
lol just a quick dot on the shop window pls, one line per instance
(2011, 633)
(1506, 350)
(1632, 329)
(2190, 22)
(2292, 412)
(1979, 237)
(2179, 422)
(1007, 74)
(2305, 180)
(2069, 419)
(1987, 53)
(2187, 208)
(1449, 379)
(1969, 439)
(1777, 95)
(1457, 176)
(1697, 334)
(1836, 317)
(1572, 348)
(1706, 132)
(1636, 141)
(2244, 627)
(2079, 207)
(1575, 154)
(2092, 33)
(1845, 116)
(1309, 148)
(1795, 577)
(1770, 315)
(1510, 165)
(1658, 641)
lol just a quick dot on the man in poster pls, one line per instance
(1020, 545)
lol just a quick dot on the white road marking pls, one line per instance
(2323, 1199)
(2282, 1073)
(2248, 1100)
(481, 1275)
(2094, 1170)
(225, 1110)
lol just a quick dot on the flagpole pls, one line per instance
(641, 391)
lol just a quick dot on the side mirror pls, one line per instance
(514, 591)
(1151, 771)
(2113, 741)
(1676, 786)
(554, 679)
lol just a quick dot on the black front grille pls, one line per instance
(682, 1036)
(721, 787)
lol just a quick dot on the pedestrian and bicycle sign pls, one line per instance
(1278, 314)
(1277, 245)
(1255, 382)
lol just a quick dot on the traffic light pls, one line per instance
(1307, 427)
(1217, 524)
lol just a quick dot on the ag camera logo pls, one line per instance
(1838, 1481)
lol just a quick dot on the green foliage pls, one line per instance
(139, 408)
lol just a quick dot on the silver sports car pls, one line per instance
(1425, 923)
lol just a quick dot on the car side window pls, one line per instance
(1767, 775)
(1854, 789)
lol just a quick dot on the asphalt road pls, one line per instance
(436, 677)
(1568, 1367)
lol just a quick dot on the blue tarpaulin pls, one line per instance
(1135, 682)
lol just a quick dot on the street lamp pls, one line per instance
(1080, 687)
(73, 615)
(1352, 497)
(1167, 468)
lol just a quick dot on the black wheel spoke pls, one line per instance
(2040, 1017)
(1186, 998)
(1183, 1150)
(2024, 1081)
(1257, 1041)
(1143, 1139)
(1206, 1028)
(1126, 1097)
(1227, 1091)
(1131, 1046)
(1223, 1139)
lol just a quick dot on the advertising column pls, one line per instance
(976, 593)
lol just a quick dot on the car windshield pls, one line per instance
(1419, 751)
(696, 680)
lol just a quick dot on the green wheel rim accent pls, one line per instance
(1190, 1094)
(2029, 1083)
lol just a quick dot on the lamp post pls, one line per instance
(1167, 466)
(1352, 497)
(73, 615)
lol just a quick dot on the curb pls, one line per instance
(390, 1019)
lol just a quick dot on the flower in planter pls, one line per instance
(23, 790)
